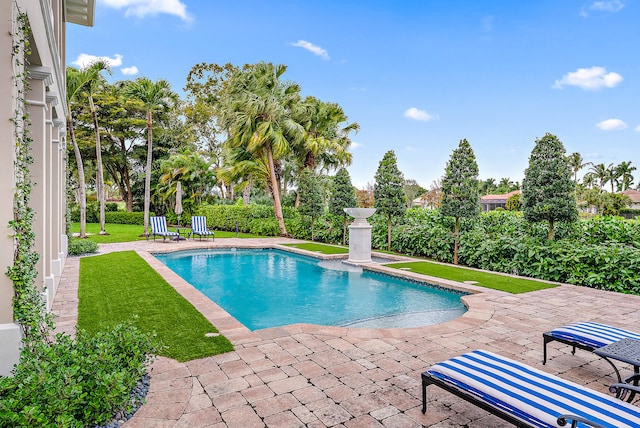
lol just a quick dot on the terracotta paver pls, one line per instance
(318, 376)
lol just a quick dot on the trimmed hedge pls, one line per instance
(123, 217)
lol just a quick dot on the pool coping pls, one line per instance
(476, 301)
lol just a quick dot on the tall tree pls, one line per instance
(343, 195)
(388, 191)
(122, 119)
(76, 83)
(547, 188)
(256, 111)
(625, 178)
(156, 97)
(601, 172)
(95, 70)
(576, 163)
(311, 203)
(326, 136)
(460, 197)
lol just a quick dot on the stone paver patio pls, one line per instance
(318, 376)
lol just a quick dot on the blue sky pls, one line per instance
(418, 76)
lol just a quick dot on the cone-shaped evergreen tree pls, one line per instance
(343, 195)
(547, 188)
(460, 190)
(311, 203)
(388, 191)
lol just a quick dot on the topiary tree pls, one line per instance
(310, 196)
(343, 195)
(548, 189)
(388, 191)
(460, 188)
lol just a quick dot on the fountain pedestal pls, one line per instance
(360, 235)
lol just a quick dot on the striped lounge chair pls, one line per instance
(527, 397)
(586, 335)
(199, 227)
(159, 228)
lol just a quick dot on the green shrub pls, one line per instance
(110, 207)
(123, 217)
(76, 382)
(78, 246)
(92, 212)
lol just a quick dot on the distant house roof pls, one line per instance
(498, 199)
(634, 195)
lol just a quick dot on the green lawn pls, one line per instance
(320, 248)
(116, 286)
(130, 232)
(483, 279)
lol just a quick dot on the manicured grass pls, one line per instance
(132, 232)
(483, 279)
(320, 248)
(115, 287)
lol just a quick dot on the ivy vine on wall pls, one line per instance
(29, 309)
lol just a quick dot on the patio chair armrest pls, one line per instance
(619, 387)
(564, 419)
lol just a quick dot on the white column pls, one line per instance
(39, 79)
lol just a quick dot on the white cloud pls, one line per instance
(316, 50)
(607, 6)
(487, 23)
(611, 125)
(142, 8)
(85, 59)
(355, 146)
(637, 128)
(417, 114)
(611, 6)
(129, 71)
(589, 79)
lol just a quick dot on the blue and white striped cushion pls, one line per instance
(199, 225)
(592, 334)
(532, 395)
(159, 227)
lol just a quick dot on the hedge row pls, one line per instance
(603, 252)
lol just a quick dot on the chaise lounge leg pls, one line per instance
(424, 394)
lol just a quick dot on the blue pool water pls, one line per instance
(270, 288)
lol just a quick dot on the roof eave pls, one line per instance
(81, 12)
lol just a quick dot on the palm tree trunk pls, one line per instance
(550, 236)
(147, 180)
(99, 171)
(246, 192)
(81, 184)
(275, 191)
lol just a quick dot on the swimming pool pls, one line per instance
(270, 288)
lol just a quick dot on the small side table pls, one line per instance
(627, 351)
(183, 233)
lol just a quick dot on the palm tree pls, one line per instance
(256, 110)
(505, 185)
(77, 80)
(601, 172)
(576, 163)
(156, 98)
(623, 172)
(94, 71)
(326, 140)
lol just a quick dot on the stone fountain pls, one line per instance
(360, 235)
